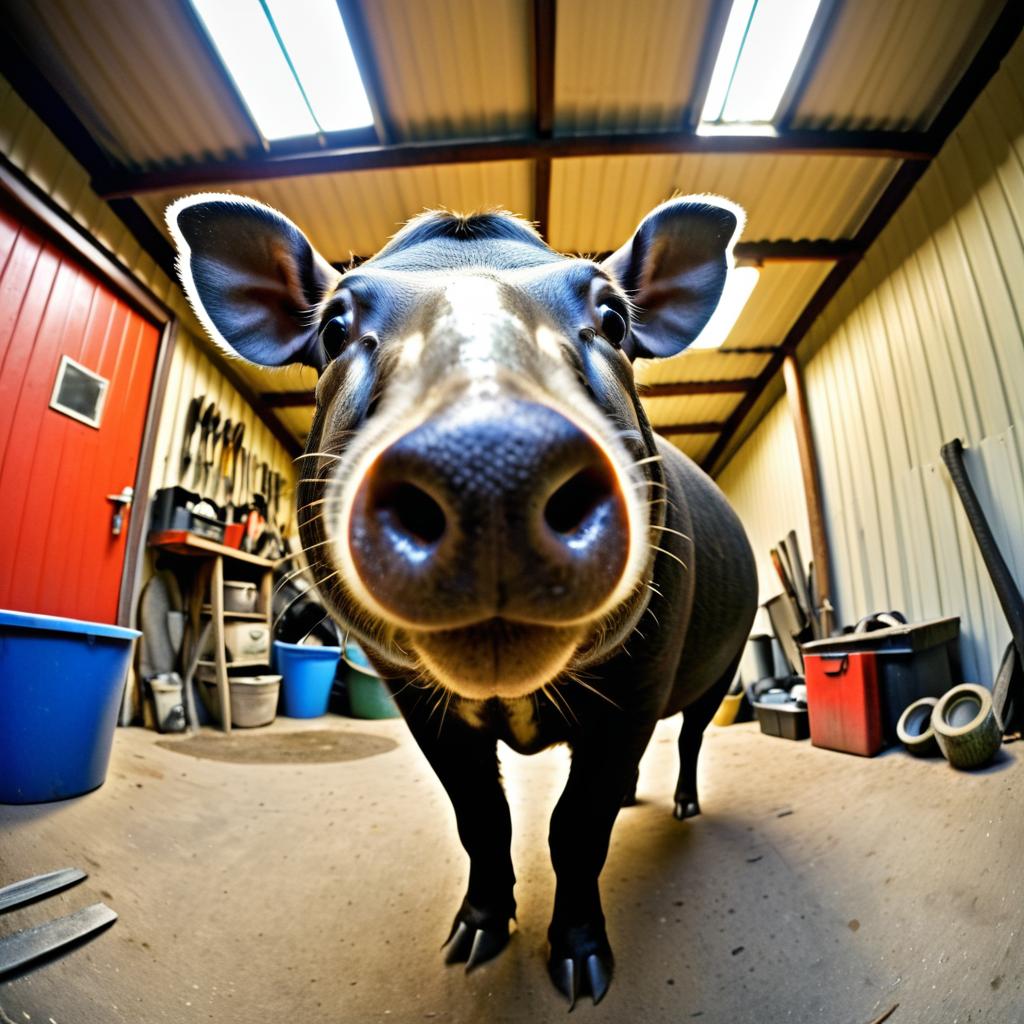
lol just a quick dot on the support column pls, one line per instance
(812, 490)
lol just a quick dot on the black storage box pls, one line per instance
(789, 721)
(172, 510)
(918, 660)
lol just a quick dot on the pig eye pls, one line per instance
(335, 334)
(613, 324)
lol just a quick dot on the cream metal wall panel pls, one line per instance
(864, 78)
(356, 213)
(925, 343)
(454, 67)
(626, 67)
(764, 486)
(596, 202)
(119, 64)
(192, 374)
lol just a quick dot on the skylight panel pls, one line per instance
(291, 62)
(315, 38)
(760, 49)
(739, 284)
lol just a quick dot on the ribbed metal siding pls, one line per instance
(454, 67)
(626, 67)
(764, 486)
(138, 74)
(193, 374)
(355, 214)
(891, 65)
(923, 344)
(596, 202)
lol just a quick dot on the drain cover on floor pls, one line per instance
(320, 746)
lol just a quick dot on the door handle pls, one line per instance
(120, 502)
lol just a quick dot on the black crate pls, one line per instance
(171, 509)
(787, 721)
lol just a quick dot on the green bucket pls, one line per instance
(368, 694)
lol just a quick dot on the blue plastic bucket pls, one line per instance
(61, 682)
(307, 672)
(368, 694)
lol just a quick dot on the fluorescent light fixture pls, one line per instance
(760, 48)
(291, 62)
(738, 287)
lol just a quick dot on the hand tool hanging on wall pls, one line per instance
(191, 419)
(211, 448)
(1008, 693)
(204, 433)
(224, 467)
(236, 448)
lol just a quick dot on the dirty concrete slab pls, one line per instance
(816, 887)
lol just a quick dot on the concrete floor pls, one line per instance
(815, 887)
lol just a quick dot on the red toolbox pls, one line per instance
(842, 702)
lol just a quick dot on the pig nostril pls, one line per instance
(412, 511)
(572, 504)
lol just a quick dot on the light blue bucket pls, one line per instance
(307, 672)
(60, 689)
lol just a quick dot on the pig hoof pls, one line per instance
(476, 937)
(585, 972)
(685, 808)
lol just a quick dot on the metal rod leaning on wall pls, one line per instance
(812, 490)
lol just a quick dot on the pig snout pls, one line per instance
(496, 508)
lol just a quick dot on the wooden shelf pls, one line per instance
(181, 542)
(250, 616)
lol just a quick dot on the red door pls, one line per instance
(58, 552)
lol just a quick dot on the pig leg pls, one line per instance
(696, 719)
(466, 762)
(603, 770)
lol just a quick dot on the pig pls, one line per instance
(488, 512)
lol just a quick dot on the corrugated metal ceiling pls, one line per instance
(142, 78)
(614, 74)
(596, 202)
(891, 65)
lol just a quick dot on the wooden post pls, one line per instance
(812, 489)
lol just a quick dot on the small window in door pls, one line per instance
(79, 393)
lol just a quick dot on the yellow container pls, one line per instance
(728, 709)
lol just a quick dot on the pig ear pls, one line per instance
(252, 277)
(674, 270)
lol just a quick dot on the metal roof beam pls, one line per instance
(736, 386)
(681, 429)
(337, 160)
(545, 17)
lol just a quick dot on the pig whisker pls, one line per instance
(670, 555)
(319, 455)
(668, 529)
(549, 691)
(650, 611)
(595, 691)
(650, 458)
(311, 504)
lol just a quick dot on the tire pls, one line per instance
(915, 730)
(966, 727)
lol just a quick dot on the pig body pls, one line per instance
(489, 513)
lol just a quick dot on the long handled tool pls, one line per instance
(30, 889)
(1008, 693)
(22, 948)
